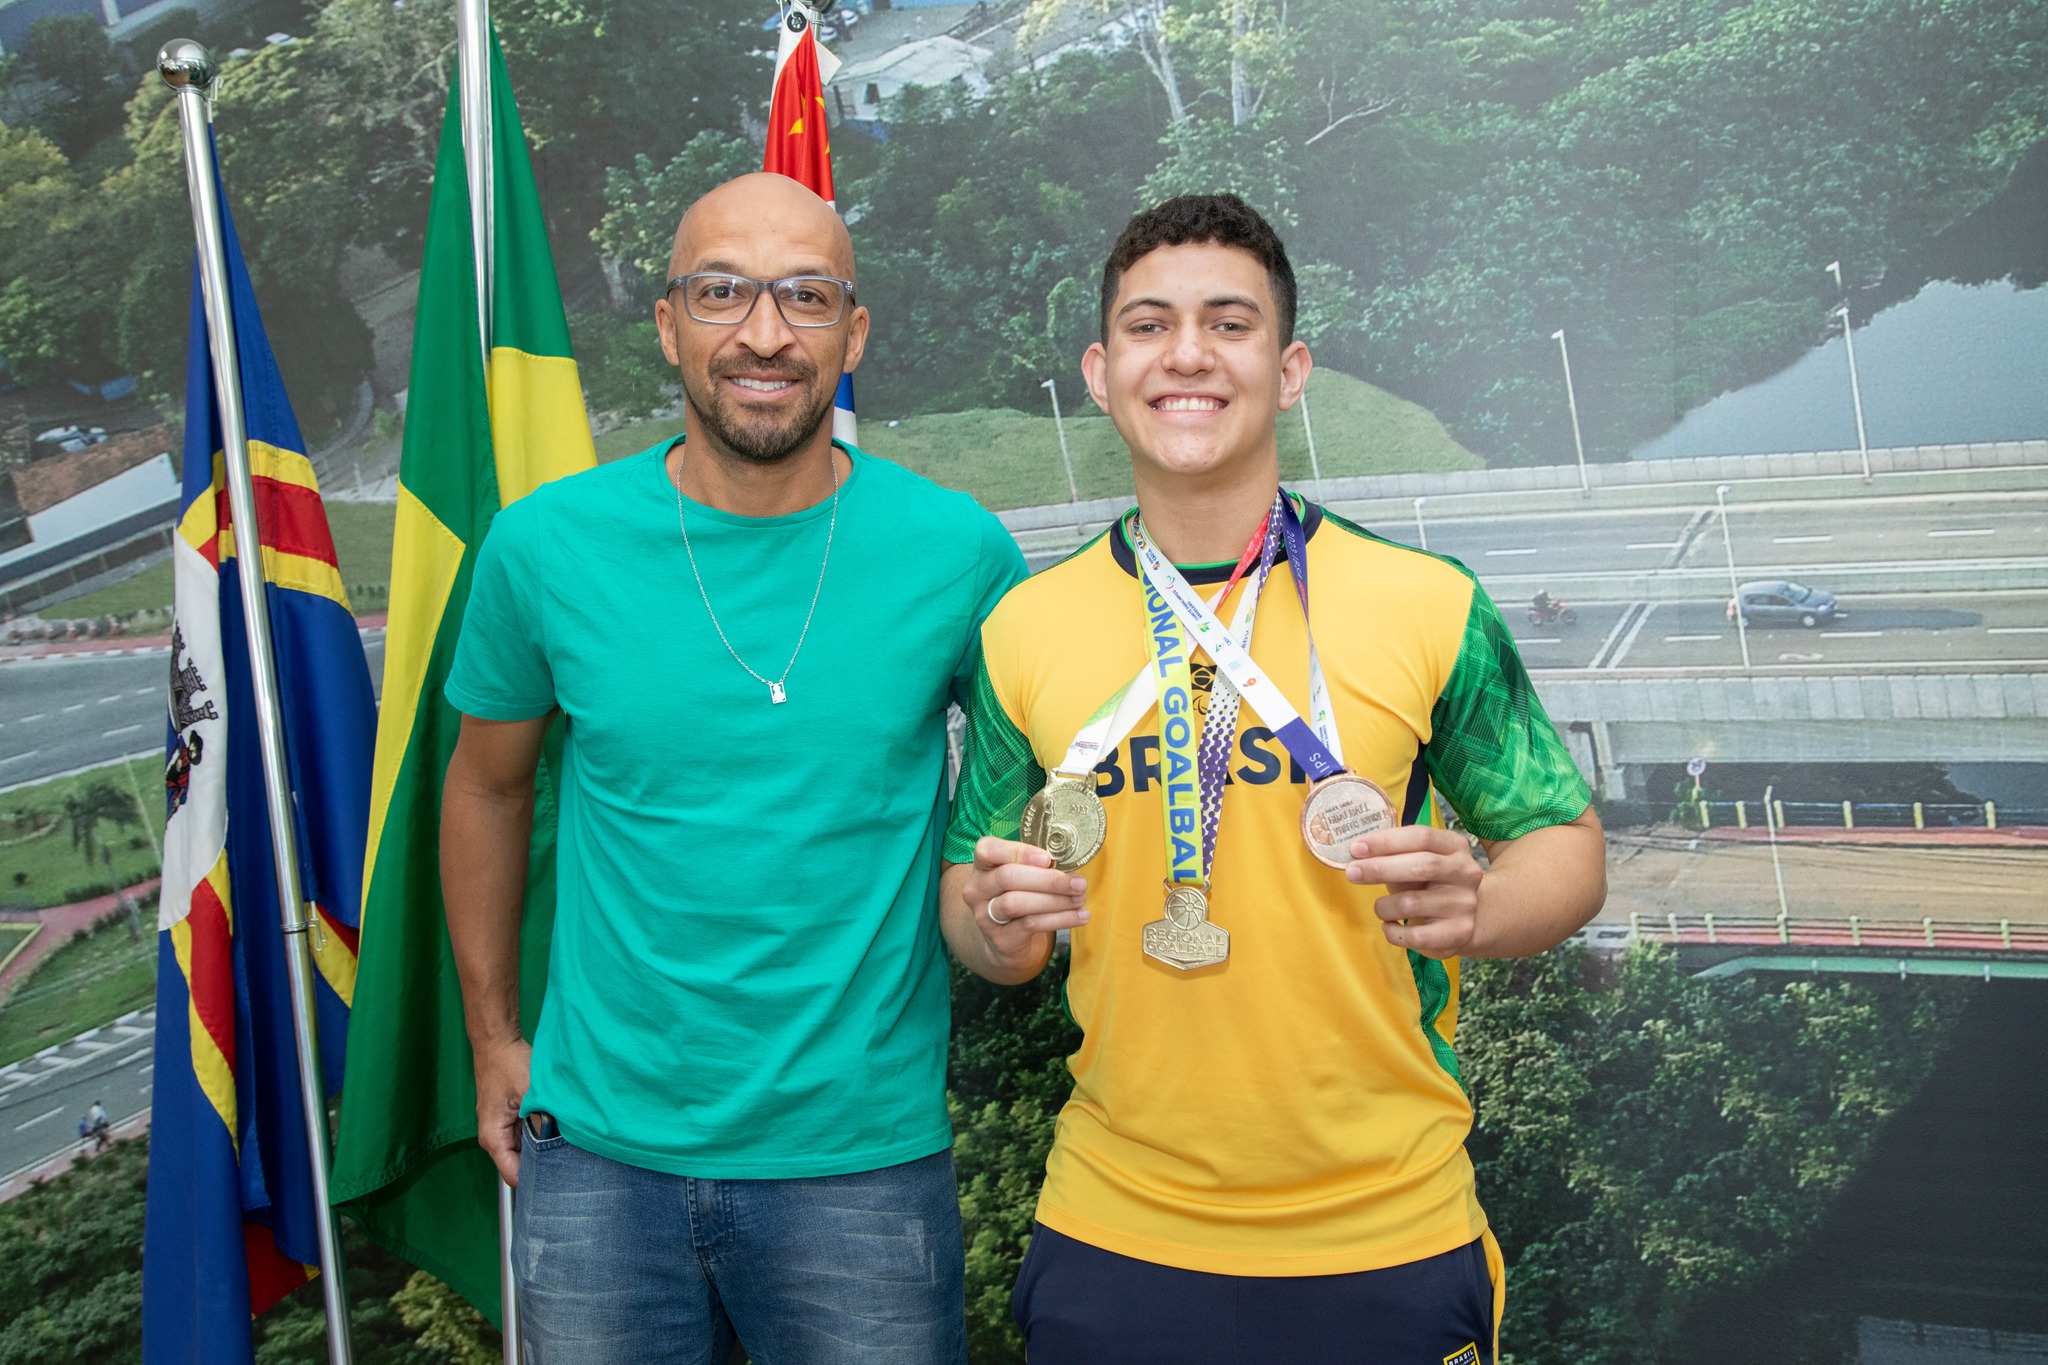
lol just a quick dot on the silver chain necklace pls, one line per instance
(776, 694)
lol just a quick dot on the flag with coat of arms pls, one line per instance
(231, 1223)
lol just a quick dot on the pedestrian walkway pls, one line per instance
(61, 924)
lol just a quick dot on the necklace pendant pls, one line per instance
(776, 694)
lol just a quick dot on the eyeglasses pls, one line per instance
(728, 300)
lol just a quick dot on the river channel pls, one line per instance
(1951, 346)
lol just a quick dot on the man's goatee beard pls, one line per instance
(762, 442)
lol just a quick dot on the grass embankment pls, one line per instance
(1003, 457)
(1012, 459)
(362, 545)
(92, 980)
(40, 865)
(13, 938)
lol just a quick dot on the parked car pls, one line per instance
(66, 439)
(1775, 602)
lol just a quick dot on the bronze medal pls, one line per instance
(1184, 938)
(1339, 809)
(1066, 819)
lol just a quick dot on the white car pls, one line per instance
(66, 439)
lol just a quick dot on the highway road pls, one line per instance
(1956, 629)
(42, 1098)
(1803, 538)
(71, 711)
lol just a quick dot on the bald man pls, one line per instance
(731, 1119)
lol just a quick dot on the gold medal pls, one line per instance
(1185, 938)
(1066, 819)
(1339, 809)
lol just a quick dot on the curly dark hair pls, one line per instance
(1223, 219)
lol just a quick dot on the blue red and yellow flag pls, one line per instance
(232, 1225)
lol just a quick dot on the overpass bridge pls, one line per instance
(1617, 721)
(1710, 945)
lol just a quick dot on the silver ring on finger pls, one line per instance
(993, 917)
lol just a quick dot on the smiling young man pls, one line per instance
(732, 1117)
(1263, 1156)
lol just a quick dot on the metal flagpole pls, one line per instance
(189, 70)
(473, 71)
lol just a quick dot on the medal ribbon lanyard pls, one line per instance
(1191, 776)
(1114, 720)
(1317, 750)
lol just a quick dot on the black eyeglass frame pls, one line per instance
(762, 288)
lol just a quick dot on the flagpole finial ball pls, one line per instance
(182, 62)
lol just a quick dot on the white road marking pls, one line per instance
(1496, 554)
(1688, 639)
(16, 758)
(75, 706)
(105, 700)
(142, 692)
(2016, 630)
(132, 1058)
(1538, 640)
(1975, 531)
(40, 715)
(1852, 635)
(46, 1114)
(124, 730)
(1800, 540)
(1653, 545)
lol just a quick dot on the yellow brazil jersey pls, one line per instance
(1296, 1110)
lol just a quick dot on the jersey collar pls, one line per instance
(1200, 574)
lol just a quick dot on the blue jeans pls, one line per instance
(623, 1266)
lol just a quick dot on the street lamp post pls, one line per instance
(1777, 868)
(1066, 458)
(1734, 586)
(1855, 383)
(1420, 534)
(1315, 467)
(1571, 399)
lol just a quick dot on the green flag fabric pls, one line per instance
(407, 1166)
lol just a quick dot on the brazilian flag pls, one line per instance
(407, 1166)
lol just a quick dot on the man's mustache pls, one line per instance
(797, 370)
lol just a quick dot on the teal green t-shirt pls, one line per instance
(746, 978)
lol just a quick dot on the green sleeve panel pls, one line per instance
(998, 773)
(1493, 753)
